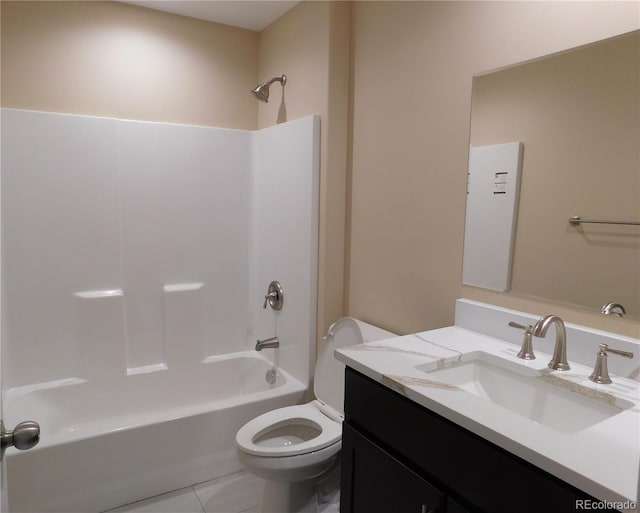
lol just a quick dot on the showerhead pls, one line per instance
(261, 92)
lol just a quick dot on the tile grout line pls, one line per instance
(193, 489)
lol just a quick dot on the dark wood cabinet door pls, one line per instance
(373, 481)
(454, 507)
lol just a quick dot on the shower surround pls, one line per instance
(136, 257)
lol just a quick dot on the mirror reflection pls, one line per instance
(577, 114)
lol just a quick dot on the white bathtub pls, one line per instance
(106, 444)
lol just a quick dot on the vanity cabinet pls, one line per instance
(399, 457)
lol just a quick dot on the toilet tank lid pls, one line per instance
(328, 384)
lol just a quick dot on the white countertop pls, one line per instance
(603, 460)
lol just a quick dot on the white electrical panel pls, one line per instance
(492, 204)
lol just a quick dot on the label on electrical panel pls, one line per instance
(494, 174)
(500, 182)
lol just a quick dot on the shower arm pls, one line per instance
(282, 80)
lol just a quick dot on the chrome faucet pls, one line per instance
(612, 308)
(559, 359)
(268, 342)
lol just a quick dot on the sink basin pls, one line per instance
(535, 394)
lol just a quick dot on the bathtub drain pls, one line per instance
(270, 376)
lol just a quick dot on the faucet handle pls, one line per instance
(600, 372)
(268, 297)
(275, 296)
(526, 350)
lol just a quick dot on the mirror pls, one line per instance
(577, 116)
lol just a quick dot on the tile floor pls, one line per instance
(236, 493)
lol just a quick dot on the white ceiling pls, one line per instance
(249, 14)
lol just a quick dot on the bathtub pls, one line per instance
(106, 444)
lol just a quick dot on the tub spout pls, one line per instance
(269, 342)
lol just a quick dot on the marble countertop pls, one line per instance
(603, 459)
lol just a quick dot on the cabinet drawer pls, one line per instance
(459, 462)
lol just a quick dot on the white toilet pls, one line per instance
(295, 449)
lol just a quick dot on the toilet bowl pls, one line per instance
(296, 448)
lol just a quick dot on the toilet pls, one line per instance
(296, 448)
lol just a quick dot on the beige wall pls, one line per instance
(310, 44)
(407, 115)
(117, 60)
(413, 67)
(578, 115)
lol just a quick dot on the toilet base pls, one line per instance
(313, 496)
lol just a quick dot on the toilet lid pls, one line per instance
(328, 383)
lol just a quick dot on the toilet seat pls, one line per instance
(296, 449)
(267, 435)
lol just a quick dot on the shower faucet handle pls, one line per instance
(270, 295)
(275, 296)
